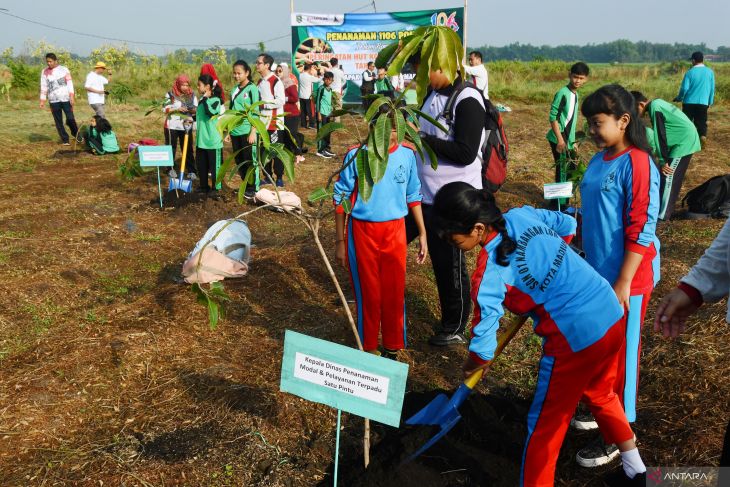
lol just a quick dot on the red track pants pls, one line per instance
(376, 252)
(563, 381)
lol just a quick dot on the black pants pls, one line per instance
(209, 161)
(669, 186)
(295, 146)
(366, 102)
(58, 109)
(275, 167)
(698, 114)
(324, 142)
(177, 137)
(449, 268)
(307, 116)
(244, 157)
(561, 173)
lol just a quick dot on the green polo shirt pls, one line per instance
(560, 112)
(241, 99)
(673, 134)
(208, 136)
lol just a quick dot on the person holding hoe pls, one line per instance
(526, 266)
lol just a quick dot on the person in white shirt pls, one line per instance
(96, 88)
(57, 88)
(478, 73)
(367, 86)
(307, 78)
(271, 91)
(339, 85)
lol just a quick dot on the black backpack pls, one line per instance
(710, 198)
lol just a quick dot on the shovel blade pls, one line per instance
(184, 185)
(445, 428)
(432, 412)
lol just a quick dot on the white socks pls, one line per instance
(632, 463)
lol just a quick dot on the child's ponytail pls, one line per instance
(458, 206)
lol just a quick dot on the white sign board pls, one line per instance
(558, 190)
(358, 383)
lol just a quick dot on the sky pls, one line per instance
(497, 23)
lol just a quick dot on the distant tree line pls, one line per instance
(622, 51)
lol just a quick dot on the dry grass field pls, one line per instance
(110, 375)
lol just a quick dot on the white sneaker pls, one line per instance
(324, 154)
(596, 453)
(193, 176)
(583, 421)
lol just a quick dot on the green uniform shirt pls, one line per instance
(208, 136)
(240, 100)
(382, 85)
(560, 111)
(673, 135)
(324, 101)
(109, 142)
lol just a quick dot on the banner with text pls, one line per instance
(355, 39)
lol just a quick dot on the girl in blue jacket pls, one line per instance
(526, 266)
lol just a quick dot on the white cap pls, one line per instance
(274, 66)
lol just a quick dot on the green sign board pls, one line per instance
(344, 378)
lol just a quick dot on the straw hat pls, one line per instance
(100, 65)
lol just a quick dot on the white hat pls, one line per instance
(274, 66)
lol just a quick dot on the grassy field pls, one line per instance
(109, 374)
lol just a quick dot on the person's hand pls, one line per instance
(106, 92)
(560, 147)
(72, 100)
(319, 118)
(422, 249)
(340, 254)
(672, 313)
(623, 293)
(667, 170)
(470, 366)
(227, 139)
(43, 104)
(252, 137)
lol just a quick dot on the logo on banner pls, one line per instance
(443, 20)
(317, 19)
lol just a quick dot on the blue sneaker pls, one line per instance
(279, 183)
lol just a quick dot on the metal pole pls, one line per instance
(337, 446)
(291, 6)
(466, 6)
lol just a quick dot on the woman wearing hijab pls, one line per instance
(179, 108)
(291, 108)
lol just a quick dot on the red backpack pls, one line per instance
(495, 150)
